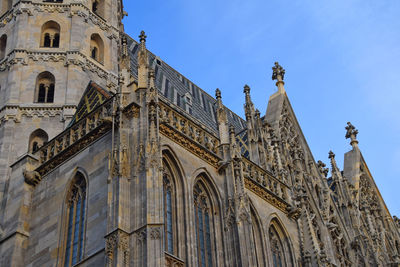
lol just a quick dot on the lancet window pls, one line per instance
(169, 213)
(76, 215)
(258, 237)
(280, 250)
(203, 222)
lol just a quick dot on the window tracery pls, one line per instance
(169, 213)
(202, 209)
(281, 253)
(75, 230)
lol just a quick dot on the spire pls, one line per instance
(278, 73)
(335, 169)
(143, 62)
(248, 106)
(352, 134)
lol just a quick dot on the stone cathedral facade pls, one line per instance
(110, 157)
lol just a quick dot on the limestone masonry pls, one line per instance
(110, 157)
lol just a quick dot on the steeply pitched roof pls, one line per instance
(93, 97)
(181, 92)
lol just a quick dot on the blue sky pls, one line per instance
(342, 61)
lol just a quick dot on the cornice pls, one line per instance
(16, 112)
(77, 58)
(74, 9)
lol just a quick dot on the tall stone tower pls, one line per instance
(50, 50)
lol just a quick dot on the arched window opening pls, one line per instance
(279, 246)
(3, 46)
(204, 225)
(37, 139)
(45, 86)
(257, 237)
(50, 35)
(75, 215)
(169, 213)
(97, 48)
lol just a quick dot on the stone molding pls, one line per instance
(16, 112)
(73, 9)
(22, 57)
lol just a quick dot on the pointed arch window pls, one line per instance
(276, 248)
(281, 255)
(169, 213)
(3, 46)
(76, 217)
(37, 139)
(202, 208)
(97, 48)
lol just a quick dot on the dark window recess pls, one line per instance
(47, 40)
(166, 88)
(190, 111)
(158, 62)
(56, 41)
(42, 93)
(94, 6)
(204, 103)
(35, 147)
(94, 53)
(50, 94)
(178, 99)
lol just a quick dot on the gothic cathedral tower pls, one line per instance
(50, 50)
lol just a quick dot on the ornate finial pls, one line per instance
(352, 134)
(217, 93)
(322, 169)
(246, 89)
(142, 37)
(257, 113)
(331, 155)
(351, 130)
(152, 73)
(278, 72)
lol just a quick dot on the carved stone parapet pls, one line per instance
(172, 261)
(117, 243)
(267, 195)
(189, 134)
(75, 138)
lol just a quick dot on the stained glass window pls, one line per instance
(203, 227)
(276, 248)
(76, 221)
(168, 214)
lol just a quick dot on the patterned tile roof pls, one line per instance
(181, 92)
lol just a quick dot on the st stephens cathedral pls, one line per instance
(110, 157)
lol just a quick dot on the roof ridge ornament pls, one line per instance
(278, 73)
(352, 134)
(142, 37)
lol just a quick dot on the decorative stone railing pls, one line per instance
(73, 139)
(265, 185)
(189, 134)
(172, 261)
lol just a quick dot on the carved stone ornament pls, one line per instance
(32, 177)
(155, 233)
(277, 71)
(351, 131)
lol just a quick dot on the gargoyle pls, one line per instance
(32, 177)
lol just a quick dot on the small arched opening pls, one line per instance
(37, 139)
(3, 46)
(45, 86)
(50, 35)
(97, 48)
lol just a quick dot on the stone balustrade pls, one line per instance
(172, 261)
(79, 135)
(188, 128)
